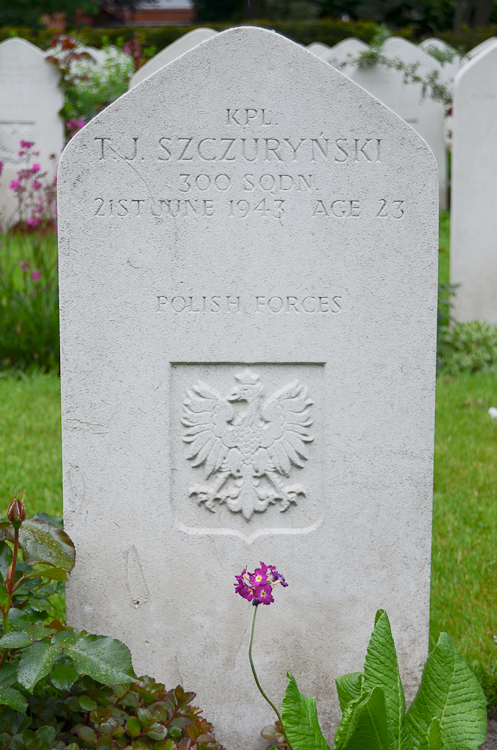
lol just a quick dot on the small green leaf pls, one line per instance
(368, 725)
(350, 687)
(13, 698)
(63, 676)
(19, 620)
(104, 659)
(300, 719)
(5, 558)
(54, 574)
(42, 542)
(449, 692)
(38, 632)
(36, 663)
(86, 733)
(133, 726)
(15, 639)
(433, 739)
(86, 703)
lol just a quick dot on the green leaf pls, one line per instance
(368, 725)
(8, 675)
(65, 638)
(63, 676)
(449, 692)
(433, 739)
(36, 663)
(300, 719)
(350, 687)
(133, 726)
(104, 659)
(87, 734)
(13, 698)
(54, 574)
(86, 703)
(19, 620)
(5, 558)
(381, 670)
(42, 542)
(15, 639)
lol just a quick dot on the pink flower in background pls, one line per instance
(14, 185)
(36, 185)
(74, 126)
(1, 167)
(27, 144)
(257, 587)
(35, 168)
(24, 265)
(36, 275)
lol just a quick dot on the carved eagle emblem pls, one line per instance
(245, 453)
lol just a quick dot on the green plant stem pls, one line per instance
(257, 679)
(11, 583)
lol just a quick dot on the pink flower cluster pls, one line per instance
(74, 126)
(36, 196)
(25, 267)
(257, 587)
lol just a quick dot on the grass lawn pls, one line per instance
(464, 569)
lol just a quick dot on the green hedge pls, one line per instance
(328, 31)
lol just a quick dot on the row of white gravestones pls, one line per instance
(473, 258)
(248, 305)
(30, 101)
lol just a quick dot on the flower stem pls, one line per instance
(257, 679)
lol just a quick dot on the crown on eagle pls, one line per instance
(247, 377)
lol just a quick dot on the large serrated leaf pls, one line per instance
(433, 738)
(300, 719)
(104, 659)
(13, 698)
(368, 727)
(42, 542)
(350, 687)
(36, 663)
(449, 692)
(381, 670)
(63, 676)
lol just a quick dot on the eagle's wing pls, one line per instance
(286, 432)
(206, 416)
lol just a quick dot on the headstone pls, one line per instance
(425, 115)
(318, 49)
(171, 52)
(479, 48)
(248, 303)
(448, 69)
(345, 52)
(30, 100)
(473, 260)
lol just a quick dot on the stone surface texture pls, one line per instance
(424, 115)
(171, 52)
(248, 280)
(30, 100)
(473, 260)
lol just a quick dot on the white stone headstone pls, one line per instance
(30, 101)
(345, 52)
(473, 256)
(319, 49)
(184, 44)
(248, 304)
(425, 115)
(479, 48)
(448, 69)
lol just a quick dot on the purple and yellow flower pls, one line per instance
(257, 587)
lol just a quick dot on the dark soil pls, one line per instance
(491, 741)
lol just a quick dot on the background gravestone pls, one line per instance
(245, 240)
(448, 69)
(473, 260)
(424, 115)
(318, 49)
(30, 101)
(171, 52)
(344, 52)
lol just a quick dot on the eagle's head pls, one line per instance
(248, 387)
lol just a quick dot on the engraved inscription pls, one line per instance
(259, 304)
(245, 454)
